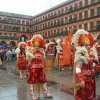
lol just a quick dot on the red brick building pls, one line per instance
(53, 23)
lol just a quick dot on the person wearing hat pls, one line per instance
(84, 65)
(37, 77)
(21, 59)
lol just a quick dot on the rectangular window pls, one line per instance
(70, 8)
(23, 28)
(10, 27)
(0, 27)
(66, 9)
(85, 27)
(86, 14)
(5, 34)
(75, 6)
(18, 22)
(98, 25)
(15, 35)
(14, 20)
(80, 26)
(51, 14)
(80, 16)
(92, 1)
(80, 4)
(5, 27)
(70, 18)
(58, 12)
(10, 34)
(75, 17)
(27, 22)
(91, 26)
(98, 11)
(86, 2)
(23, 22)
(92, 13)
(62, 11)
(54, 13)
(18, 28)
(0, 19)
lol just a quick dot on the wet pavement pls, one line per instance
(59, 83)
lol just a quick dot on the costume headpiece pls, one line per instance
(37, 40)
(20, 45)
(29, 43)
(82, 37)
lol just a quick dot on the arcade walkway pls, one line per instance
(60, 84)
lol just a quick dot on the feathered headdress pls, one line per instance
(37, 40)
(82, 37)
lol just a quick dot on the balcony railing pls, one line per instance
(9, 37)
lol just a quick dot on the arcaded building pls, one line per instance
(53, 23)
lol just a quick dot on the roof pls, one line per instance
(31, 17)
(15, 15)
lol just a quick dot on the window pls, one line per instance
(80, 4)
(98, 11)
(15, 35)
(18, 21)
(5, 34)
(58, 12)
(0, 34)
(23, 22)
(86, 14)
(23, 28)
(91, 26)
(10, 27)
(48, 15)
(75, 6)
(10, 34)
(80, 16)
(98, 25)
(14, 20)
(70, 18)
(51, 14)
(5, 27)
(62, 11)
(98, 0)
(54, 22)
(70, 9)
(27, 22)
(75, 29)
(92, 13)
(66, 19)
(75, 17)
(61, 20)
(85, 27)
(18, 28)
(0, 27)
(54, 13)
(27, 29)
(80, 26)
(92, 1)
(10, 20)
(66, 9)
(86, 2)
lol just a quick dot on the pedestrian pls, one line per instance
(8, 55)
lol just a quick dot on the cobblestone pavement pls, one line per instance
(59, 83)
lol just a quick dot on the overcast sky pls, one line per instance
(27, 7)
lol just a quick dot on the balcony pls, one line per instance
(9, 37)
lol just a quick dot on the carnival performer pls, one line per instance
(37, 78)
(97, 46)
(59, 55)
(83, 72)
(49, 50)
(73, 50)
(21, 59)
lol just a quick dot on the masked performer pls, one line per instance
(37, 78)
(83, 72)
(21, 59)
(59, 55)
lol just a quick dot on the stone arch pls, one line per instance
(23, 38)
(12, 43)
(3, 42)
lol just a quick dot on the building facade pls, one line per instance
(53, 23)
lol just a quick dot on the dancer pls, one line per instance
(21, 59)
(83, 72)
(37, 78)
(59, 55)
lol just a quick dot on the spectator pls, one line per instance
(9, 55)
(13, 53)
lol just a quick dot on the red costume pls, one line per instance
(88, 92)
(22, 62)
(36, 69)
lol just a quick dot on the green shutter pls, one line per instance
(99, 11)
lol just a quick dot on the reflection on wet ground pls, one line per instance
(59, 83)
